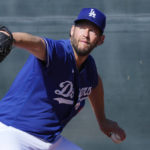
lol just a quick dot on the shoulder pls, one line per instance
(58, 51)
(60, 47)
(56, 43)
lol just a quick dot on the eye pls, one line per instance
(93, 31)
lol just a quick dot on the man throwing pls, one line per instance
(52, 86)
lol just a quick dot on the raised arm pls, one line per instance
(33, 44)
(97, 101)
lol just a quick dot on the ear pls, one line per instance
(101, 40)
(72, 30)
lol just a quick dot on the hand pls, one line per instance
(109, 127)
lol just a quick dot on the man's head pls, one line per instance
(87, 33)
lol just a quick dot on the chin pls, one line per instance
(83, 52)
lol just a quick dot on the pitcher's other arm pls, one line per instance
(34, 44)
(97, 101)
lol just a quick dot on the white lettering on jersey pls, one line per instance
(67, 92)
(84, 93)
(63, 101)
(66, 89)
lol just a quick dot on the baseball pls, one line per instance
(116, 138)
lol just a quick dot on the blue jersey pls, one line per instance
(45, 96)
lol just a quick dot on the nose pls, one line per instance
(86, 32)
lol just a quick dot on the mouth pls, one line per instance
(84, 42)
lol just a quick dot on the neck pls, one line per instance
(79, 60)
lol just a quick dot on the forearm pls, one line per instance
(97, 101)
(33, 44)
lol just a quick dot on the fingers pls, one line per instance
(114, 128)
(122, 134)
(108, 127)
(119, 131)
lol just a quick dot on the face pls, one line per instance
(85, 37)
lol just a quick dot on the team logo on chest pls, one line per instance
(65, 93)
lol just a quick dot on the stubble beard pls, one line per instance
(81, 52)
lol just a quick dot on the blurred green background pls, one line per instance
(123, 62)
